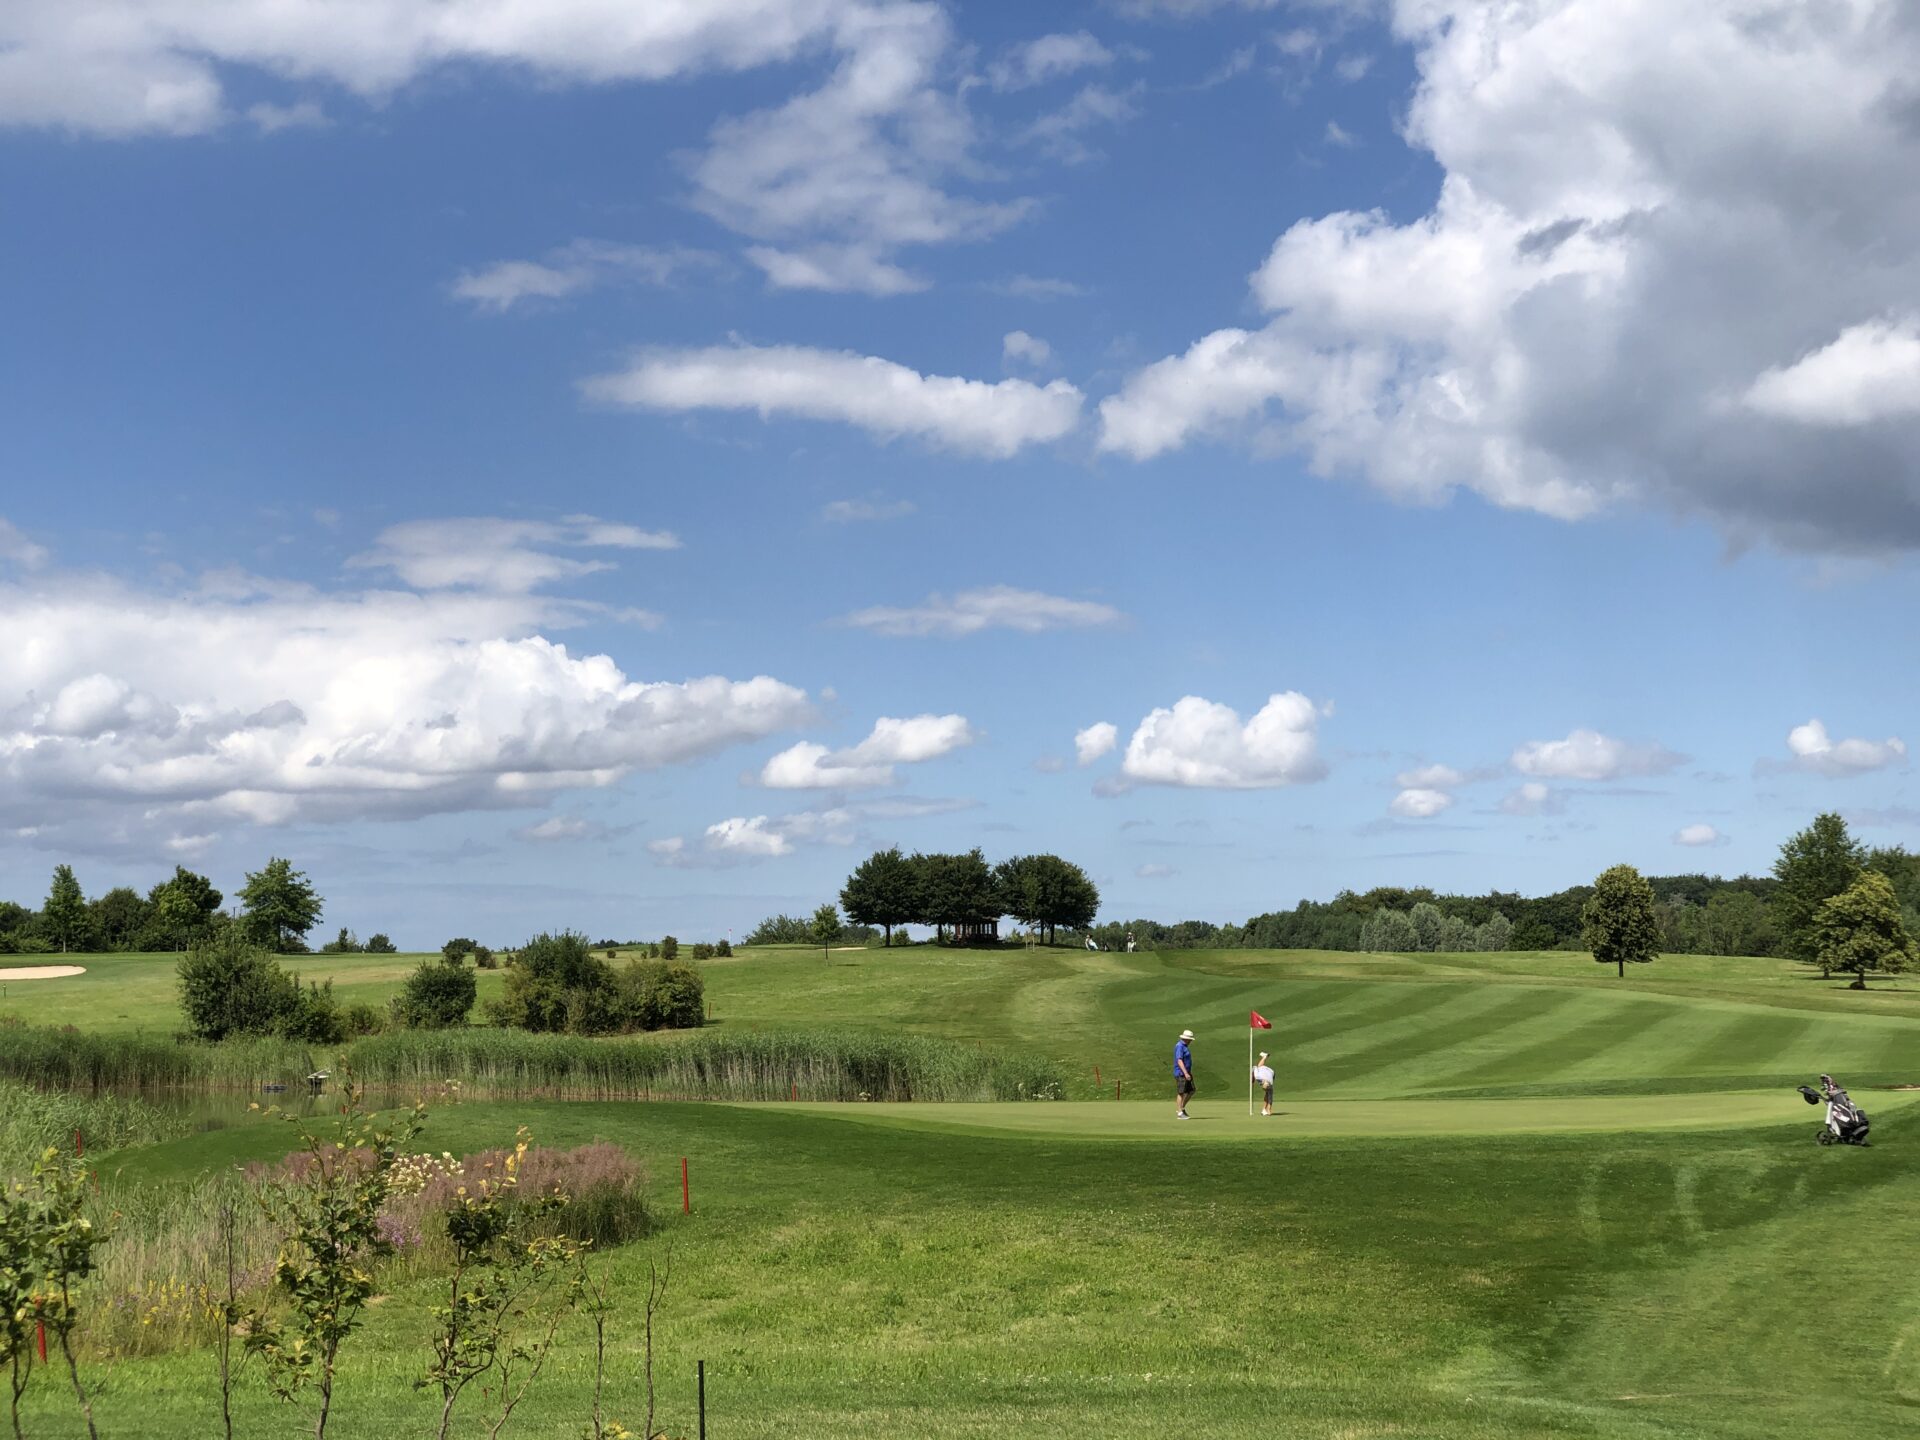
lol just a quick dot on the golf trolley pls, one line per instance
(1846, 1123)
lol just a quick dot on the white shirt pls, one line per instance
(1263, 1074)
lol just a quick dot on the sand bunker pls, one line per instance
(42, 972)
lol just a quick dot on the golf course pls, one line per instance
(1502, 1195)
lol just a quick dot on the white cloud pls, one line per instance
(852, 269)
(272, 119)
(124, 67)
(1815, 751)
(1871, 372)
(490, 553)
(1700, 834)
(1352, 67)
(847, 512)
(1204, 744)
(1155, 872)
(864, 161)
(1430, 777)
(276, 703)
(1416, 803)
(1061, 133)
(1096, 740)
(1642, 207)
(17, 549)
(747, 839)
(995, 607)
(1035, 62)
(574, 269)
(1337, 134)
(1589, 755)
(883, 398)
(1018, 347)
(561, 828)
(1533, 797)
(871, 763)
(1037, 287)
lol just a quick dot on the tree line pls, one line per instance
(963, 897)
(278, 906)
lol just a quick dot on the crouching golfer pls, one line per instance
(1183, 1072)
(1263, 1077)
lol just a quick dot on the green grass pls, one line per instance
(1507, 1197)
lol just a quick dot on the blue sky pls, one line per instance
(477, 449)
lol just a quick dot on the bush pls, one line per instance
(655, 995)
(230, 986)
(723, 948)
(314, 1017)
(558, 984)
(379, 944)
(364, 1019)
(457, 950)
(702, 951)
(483, 959)
(438, 994)
(669, 948)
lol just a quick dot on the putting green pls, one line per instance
(1221, 1120)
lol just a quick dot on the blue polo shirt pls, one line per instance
(1182, 1053)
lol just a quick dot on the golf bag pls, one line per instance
(1846, 1123)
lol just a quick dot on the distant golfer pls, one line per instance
(1263, 1077)
(1183, 1072)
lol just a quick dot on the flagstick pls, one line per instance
(1249, 1069)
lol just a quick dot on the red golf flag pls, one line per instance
(1258, 1021)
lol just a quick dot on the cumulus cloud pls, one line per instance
(1035, 62)
(1062, 133)
(1204, 744)
(1430, 777)
(1419, 803)
(557, 829)
(116, 67)
(116, 702)
(1700, 834)
(574, 269)
(1641, 281)
(1096, 740)
(1818, 753)
(17, 549)
(271, 119)
(1589, 755)
(1023, 349)
(995, 607)
(1532, 797)
(491, 553)
(885, 399)
(871, 763)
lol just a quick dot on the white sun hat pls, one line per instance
(1186, 1034)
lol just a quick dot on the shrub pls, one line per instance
(702, 951)
(438, 994)
(723, 948)
(364, 1019)
(557, 983)
(457, 950)
(483, 959)
(658, 996)
(669, 948)
(230, 986)
(314, 1017)
(379, 944)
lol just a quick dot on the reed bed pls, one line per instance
(32, 1120)
(513, 1064)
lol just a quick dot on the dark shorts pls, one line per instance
(1269, 1093)
(1183, 1085)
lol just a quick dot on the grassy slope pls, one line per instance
(1023, 1270)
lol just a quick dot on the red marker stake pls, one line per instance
(79, 1143)
(686, 1194)
(40, 1333)
(1097, 1081)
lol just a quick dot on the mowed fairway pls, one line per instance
(1507, 1197)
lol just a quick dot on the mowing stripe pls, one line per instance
(1409, 1065)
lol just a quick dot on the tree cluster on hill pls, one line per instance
(798, 930)
(963, 898)
(558, 984)
(278, 906)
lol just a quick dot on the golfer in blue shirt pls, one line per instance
(1182, 1072)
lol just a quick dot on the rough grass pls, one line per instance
(32, 1120)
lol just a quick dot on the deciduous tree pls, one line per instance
(63, 918)
(1814, 866)
(883, 890)
(1859, 931)
(1617, 924)
(280, 906)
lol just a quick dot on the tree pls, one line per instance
(345, 944)
(826, 928)
(1046, 891)
(883, 890)
(182, 910)
(1814, 866)
(959, 895)
(1428, 923)
(118, 917)
(454, 951)
(1617, 924)
(1859, 931)
(63, 918)
(230, 986)
(1493, 933)
(280, 906)
(379, 944)
(437, 996)
(1387, 932)
(559, 984)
